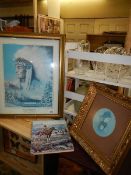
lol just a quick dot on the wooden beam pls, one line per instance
(35, 15)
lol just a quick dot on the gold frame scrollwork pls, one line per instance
(108, 151)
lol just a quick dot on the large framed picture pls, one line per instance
(48, 24)
(32, 73)
(103, 126)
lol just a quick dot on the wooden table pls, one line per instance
(21, 127)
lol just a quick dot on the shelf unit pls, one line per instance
(92, 75)
(21, 127)
(27, 21)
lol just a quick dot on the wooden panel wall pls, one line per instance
(77, 29)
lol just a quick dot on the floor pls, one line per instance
(64, 166)
(6, 170)
(67, 167)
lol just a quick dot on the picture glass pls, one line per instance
(29, 75)
(104, 122)
(102, 125)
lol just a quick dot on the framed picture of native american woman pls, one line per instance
(103, 126)
(31, 78)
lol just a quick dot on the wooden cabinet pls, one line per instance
(23, 128)
(99, 40)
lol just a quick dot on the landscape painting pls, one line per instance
(50, 136)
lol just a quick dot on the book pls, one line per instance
(70, 84)
(17, 145)
(50, 136)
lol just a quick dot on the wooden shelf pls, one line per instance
(101, 78)
(91, 75)
(78, 73)
(100, 57)
(74, 96)
(70, 109)
(19, 126)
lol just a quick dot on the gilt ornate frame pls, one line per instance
(106, 140)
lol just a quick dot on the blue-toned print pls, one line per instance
(28, 75)
(104, 122)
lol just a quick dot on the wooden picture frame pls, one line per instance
(103, 126)
(48, 24)
(32, 75)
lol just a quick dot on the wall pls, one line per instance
(83, 17)
(74, 8)
(95, 8)
(24, 10)
(77, 29)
